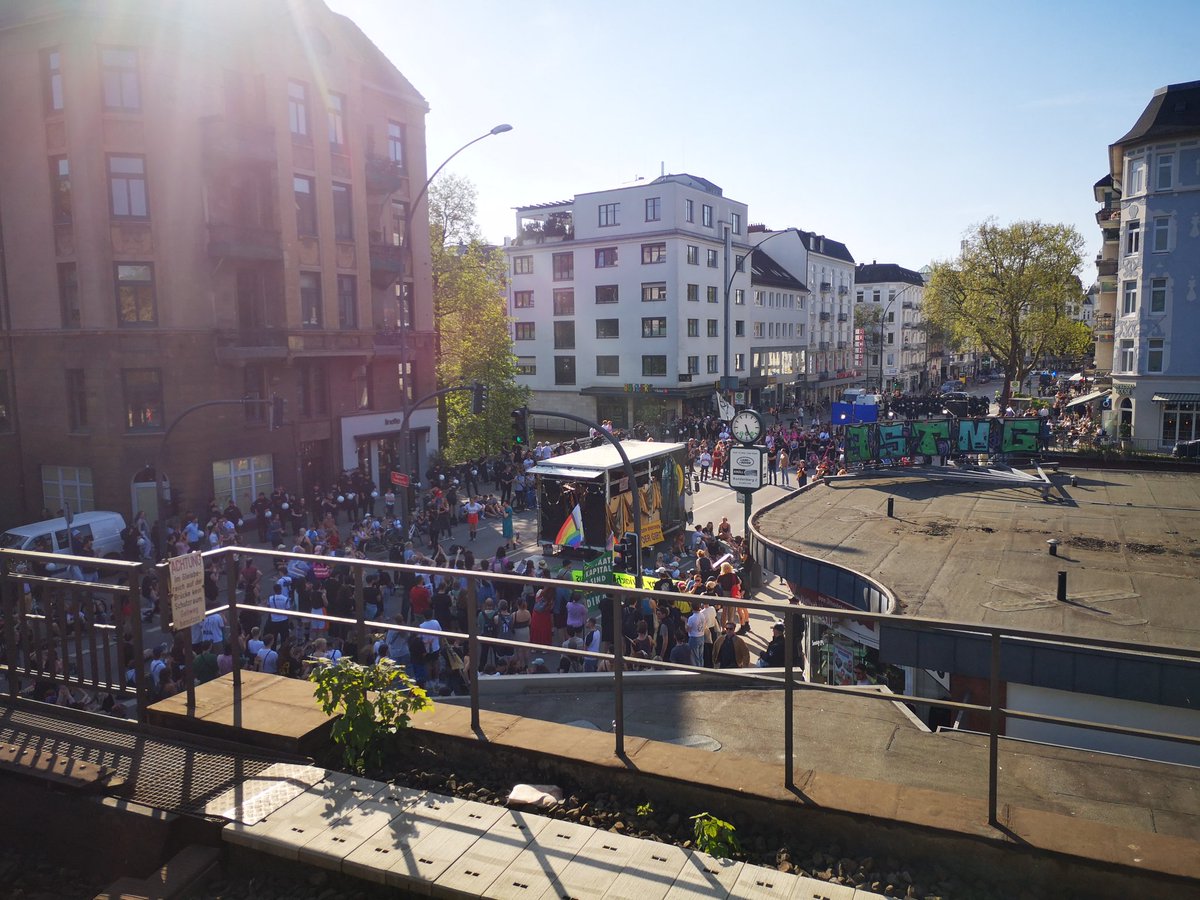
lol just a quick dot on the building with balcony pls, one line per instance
(617, 299)
(895, 347)
(1152, 193)
(779, 323)
(203, 202)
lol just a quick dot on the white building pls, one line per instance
(779, 333)
(617, 298)
(899, 360)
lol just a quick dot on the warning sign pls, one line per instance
(187, 590)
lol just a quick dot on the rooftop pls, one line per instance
(766, 271)
(882, 273)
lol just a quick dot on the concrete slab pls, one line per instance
(760, 883)
(346, 831)
(811, 889)
(382, 822)
(537, 868)
(594, 868)
(424, 845)
(256, 798)
(649, 873)
(705, 876)
(489, 856)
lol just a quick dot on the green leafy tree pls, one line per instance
(1007, 293)
(474, 330)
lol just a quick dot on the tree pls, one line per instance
(1007, 293)
(474, 332)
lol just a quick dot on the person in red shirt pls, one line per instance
(418, 601)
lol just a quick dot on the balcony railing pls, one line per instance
(1108, 216)
(825, 317)
(843, 290)
(908, 304)
(384, 176)
(248, 242)
(228, 140)
(387, 264)
(823, 345)
(1106, 267)
(1103, 324)
(843, 317)
(826, 286)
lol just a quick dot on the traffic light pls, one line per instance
(479, 398)
(627, 554)
(276, 413)
(520, 426)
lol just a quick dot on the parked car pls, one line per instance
(103, 527)
(1187, 450)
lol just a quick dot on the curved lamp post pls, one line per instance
(407, 324)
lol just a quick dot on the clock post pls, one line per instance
(746, 461)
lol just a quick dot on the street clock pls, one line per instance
(746, 426)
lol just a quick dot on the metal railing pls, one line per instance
(22, 663)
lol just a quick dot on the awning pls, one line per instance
(564, 471)
(1176, 398)
(1088, 398)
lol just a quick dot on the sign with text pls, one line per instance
(652, 532)
(746, 468)
(187, 590)
(399, 479)
(940, 437)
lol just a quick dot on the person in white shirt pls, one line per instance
(267, 660)
(433, 644)
(705, 459)
(474, 509)
(695, 631)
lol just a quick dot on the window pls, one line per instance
(758, 329)
(654, 327)
(607, 293)
(712, 328)
(608, 365)
(306, 205)
(654, 253)
(526, 365)
(135, 294)
(653, 209)
(254, 387)
(606, 257)
(693, 328)
(1126, 356)
(1162, 234)
(564, 266)
(1181, 422)
(735, 221)
(654, 291)
(60, 189)
(67, 484)
(564, 370)
(739, 328)
(1154, 355)
(1164, 172)
(68, 294)
(875, 296)
(1158, 295)
(53, 87)
(654, 366)
(77, 409)
(522, 299)
(607, 216)
(689, 211)
(693, 293)
(143, 399)
(706, 216)
(343, 213)
(311, 314)
(693, 365)
(337, 121)
(693, 255)
(1129, 304)
(739, 264)
(364, 387)
(524, 331)
(522, 265)
(243, 478)
(127, 187)
(347, 293)
(1136, 182)
(712, 364)
(120, 75)
(739, 362)
(739, 297)
(395, 144)
(711, 293)
(858, 297)
(711, 256)
(298, 109)
(607, 329)
(314, 389)
(564, 302)
(1133, 237)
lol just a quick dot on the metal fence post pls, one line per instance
(994, 731)
(10, 592)
(359, 613)
(473, 650)
(789, 696)
(618, 674)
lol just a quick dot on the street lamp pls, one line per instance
(407, 324)
(730, 381)
(882, 320)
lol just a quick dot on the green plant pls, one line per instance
(372, 703)
(645, 809)
(714, 836)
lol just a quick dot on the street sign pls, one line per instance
(746, 468)
(187, 590)
(399, 479)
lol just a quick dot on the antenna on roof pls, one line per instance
(662, 168)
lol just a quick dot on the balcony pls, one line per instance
(387, 264)
(843, 345)
(1108, 217)
(228, 141)
(908, 304)
(244, 242)
(826, 287)
(843, 317)
(1103, 327)
(843, 290)
(825, 317)
(823, 346)
(1106, 267)
(384, 176)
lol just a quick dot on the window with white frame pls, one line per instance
(1154, 355)
(297, 109)
(739, 297)
(706, 215)
(739, 362)
(735, 222)
(67, 484)
(712, 364)
(1135, 183)
(1164, 172)
(758, 329)
(242, 478)
(1161, 237)
(1158, 295)
(522, 265)
(1133, 237)
(1126, 356)
(1129, 299)
(522, 299)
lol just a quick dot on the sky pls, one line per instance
(893, 127)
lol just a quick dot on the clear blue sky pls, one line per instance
(892, 127)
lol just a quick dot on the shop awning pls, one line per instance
(1176, 398)
(1088, 398)
(565, 471)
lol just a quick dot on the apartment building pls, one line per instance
(200, 202)
(896, 349)
(779, 333)
(618, 299)
(1149, 269)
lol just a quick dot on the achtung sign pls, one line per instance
(187, 590)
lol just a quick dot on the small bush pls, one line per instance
(714, 836)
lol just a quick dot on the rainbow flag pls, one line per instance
(571, 533)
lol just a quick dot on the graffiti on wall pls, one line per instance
(883, 441)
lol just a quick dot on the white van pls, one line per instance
(104, 528)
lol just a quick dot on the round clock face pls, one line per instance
(746, 426)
